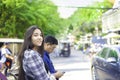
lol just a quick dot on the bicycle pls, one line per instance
(12, 74)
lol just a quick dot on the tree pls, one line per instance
(17, 15)
(86, 19)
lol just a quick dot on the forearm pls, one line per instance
(10, 57)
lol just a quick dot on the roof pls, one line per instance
(14, 40)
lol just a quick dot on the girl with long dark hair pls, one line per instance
(30, 58)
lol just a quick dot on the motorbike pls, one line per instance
(65, 51)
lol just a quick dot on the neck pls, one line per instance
(35, 48)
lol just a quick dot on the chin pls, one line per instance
(40, 45)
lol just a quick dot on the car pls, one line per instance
(105, 65)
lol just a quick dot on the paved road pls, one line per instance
(77, 66)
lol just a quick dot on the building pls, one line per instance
(111, 22)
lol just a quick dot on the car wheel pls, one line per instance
(94, 74)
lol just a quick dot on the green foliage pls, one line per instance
(17, 15)
(85, 20)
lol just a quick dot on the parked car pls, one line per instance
(106, 64)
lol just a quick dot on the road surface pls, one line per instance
(77, 66)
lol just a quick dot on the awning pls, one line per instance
(11, 40)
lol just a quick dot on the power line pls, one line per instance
(85, 7)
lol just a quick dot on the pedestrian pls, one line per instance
(30, 58)
(6, 57)
(50, 44)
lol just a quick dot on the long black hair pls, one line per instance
(1, 44)
(27, 44)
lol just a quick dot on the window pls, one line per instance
(104, 52)
(113, 53)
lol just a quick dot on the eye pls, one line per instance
(41, 34)
(35, 34)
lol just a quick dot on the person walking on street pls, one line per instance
(30, 58)
(50, 44)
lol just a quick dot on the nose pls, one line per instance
(40, 37)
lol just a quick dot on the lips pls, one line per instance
(39, 42)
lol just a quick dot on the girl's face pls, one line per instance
(37, 38)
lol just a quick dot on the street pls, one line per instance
(76, 67)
